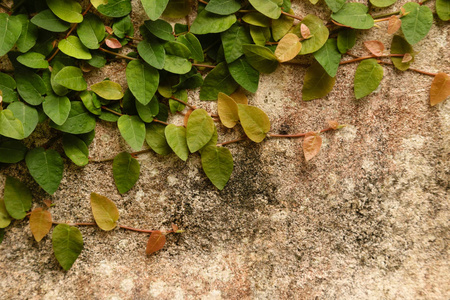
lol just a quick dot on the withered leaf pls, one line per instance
(333, 124)
(394, 24)
(311, 145)
(113, 43)
(40, 223)
(375, 47)
(407, 57)
(440, 88)
(155, 242)
(304, 30)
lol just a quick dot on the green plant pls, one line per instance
(233, 42)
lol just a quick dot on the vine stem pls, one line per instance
(203, 66)
(233, 141)
(116, 54)
(120, 226)
(368, 57)
(411, 69)
(297, 135)
(292, 16)
(184, 103)
(112, 111)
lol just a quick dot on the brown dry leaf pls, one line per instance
(407, 57)
(109, 30)
(174, 227)
(288, 47)
(333, 124)
(239, 97)
(311, 145)
(304, 30)
(228, 110)
(394, 24)
(440, 88)
(375, 47)
(155, 242)
(113, 43)
(40, 223)
(402, 11)
(47, 203)
(186, 117)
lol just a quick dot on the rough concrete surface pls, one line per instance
(365, 219)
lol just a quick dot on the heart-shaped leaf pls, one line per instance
(176, 138)
(67, 244)
(132, 130)
(46, 167)
(199, 129)
(126, 171)
(368, 76)
(440, 88)
(228, 110)
(105, 212)
(417, 21)
(142, 80)
(311, 145)
(17, 198)
(255, 122)
(76, 149)
(40, 223)
(57, 108)
(217, 163)
(155, 242)
(10, 126)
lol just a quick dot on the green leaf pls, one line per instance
(57, 88)
(176, 9)
(228, 110)
(382, 3)
(329, 57)
(346, 39)
(256, 19)
(108, 90)
(232, 41)
(12, 152)
(67, 10)
(91, 102)
(28, 36)
(207, 22)
(48, 21)
(126, 172)
(98, 59)
(79, 121)
(270, 8)
(105, 212)
(10, 28)
(30, 86)
(417, 22)
(152, 52)
(33, 60)
(281, 26)
(261, 58)
(154, 8)
(193, 44)
(8, 86)
(149, 111)
(76, 149)
(354, 15)
(156, 138)
(160, 29)
(91, 31)
(336, 5)
(443, 9)
(115, 8)
(199, 129)
(254, 121)
(223, 7)
(260, 35)
(46, 167)
(176, 64)
(244, 74)
(218, 80)
(10, 126)
(17, 198)
(5, 218)
(176, 138)
(317, 82)
(368, 76)
(400, 46)
(72, 46)
(123, 27)
(71, 78)
(132, 130)
(319, 34)
(67, 244)
(217, 163)
(142, 80)
(27, 115)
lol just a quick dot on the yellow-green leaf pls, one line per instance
(317, 82)
(40, 223)
(105, 212)
(228, 110)
(5, 218)
(254, 121)
(199, 129)
(108, 90)
(288, 47)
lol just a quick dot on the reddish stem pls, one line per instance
(276, 135)
(204, 66)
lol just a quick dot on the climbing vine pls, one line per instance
(52, 44)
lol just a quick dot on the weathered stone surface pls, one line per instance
(365, 219)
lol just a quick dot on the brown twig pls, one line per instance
(411, 69)
(292, 16)
(297, 135)
(184, 103)
(116, 54)
(204, 66)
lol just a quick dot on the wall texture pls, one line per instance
(365, 219)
